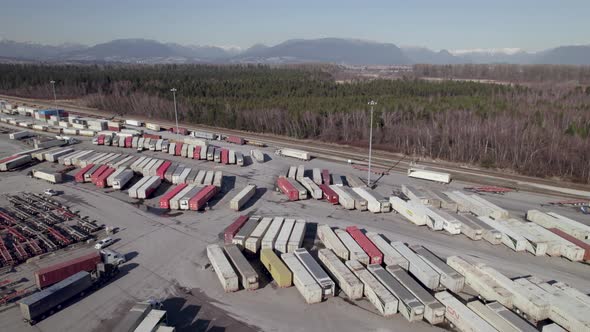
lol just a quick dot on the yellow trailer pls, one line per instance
(278, 270)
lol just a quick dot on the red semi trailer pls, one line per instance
(53, 274)
(233, 229)
(288, 189)
(375, 256)
(198, 202)
(326, 176)
(329, 194)
(197, 152)
(165, 200)
(79, 177)
(101, 181)
(161, 171)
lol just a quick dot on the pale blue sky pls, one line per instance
(451, 24)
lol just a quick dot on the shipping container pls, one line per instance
(203, 197)
(277, 269)
(298, 154)
(409, 306)
(268, 241)
(200, 177)
(196, 153)
(211, 153)
(248, 276)
(169, 173)
(163, 168)
(354, 181)
(297, 236)
(174, 202)
(287, 188)
(134, 190)
(359, 202)
(225, 156)
(172, 148)
(218, 179)
(313, 188)
(239, 159)
(449, 278)
(483, 284)
(355, 251)
(87, 175)
(434, 311)
(489, 234)
(53, 156)
(373, 204)
(235, 140)
(300, 189)
(245, 231)
(390, 255)
(20, 135)
(442, 220)
(134, 123)
(36, 306)
(563, 309)
(537, 243)
(184, 175)
(202, 152)
(179, 130)
(337, 180)
(111, 178)
(257, 155)
(284, 234)
(418, 268)
(208, 180)
(178, 148)
(317, 176)
(217, 156)
(319, 275)
(303, 280)
(203, 134)
(55, 273)
(177, 173)
(231, 230)
(344, 198)
(490, 316)
(554, 220)
(513, 320)
(153, 126)
(184, 150)
(332, 242)
(101, 181)
(462, 317)
(225, 272)
(510, 238)
(326, 177)
(583, 246)
(158, 146)
(242, 197)
(469, 228)
(149, 187)
(496, 211)
(122, 179)
(253, 242)
(135, 142)
(48, 175)
(183, 202)
(376, 293)
(346, 280)
(423, 174)
(375, 256)
(13, 163)
(191, 176)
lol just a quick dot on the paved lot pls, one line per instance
(168, 261)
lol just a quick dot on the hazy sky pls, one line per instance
(450, 24)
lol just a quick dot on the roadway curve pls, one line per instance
(342, 153)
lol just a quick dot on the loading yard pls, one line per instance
(167, 248)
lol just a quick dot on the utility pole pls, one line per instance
(372, 103)
(54, 95)
(173, 90)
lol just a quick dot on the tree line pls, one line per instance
(540, 130)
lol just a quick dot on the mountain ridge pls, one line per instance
(346, 51)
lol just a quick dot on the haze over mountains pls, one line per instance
(332, 50)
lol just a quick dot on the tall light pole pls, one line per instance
(54, 95)
(372, 103)
(173, 90)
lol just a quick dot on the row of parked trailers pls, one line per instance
(531, 297)
(414, 282)
(191, 148)
(477, 218)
